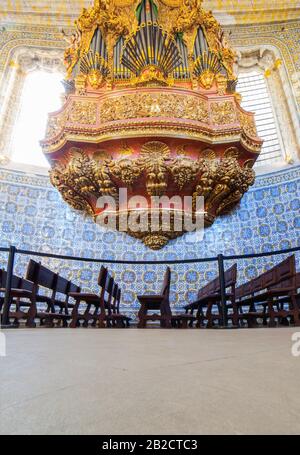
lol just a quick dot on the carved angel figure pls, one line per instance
(71, 54)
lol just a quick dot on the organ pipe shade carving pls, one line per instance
(151, 45)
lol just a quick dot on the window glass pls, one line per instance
(255, 98)
(41, 95)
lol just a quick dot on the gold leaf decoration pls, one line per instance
(231, 152)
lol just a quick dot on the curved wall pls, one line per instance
(33, 216)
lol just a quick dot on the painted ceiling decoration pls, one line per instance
(227, 11)
(151, 108)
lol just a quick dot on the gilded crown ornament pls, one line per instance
(151, 107)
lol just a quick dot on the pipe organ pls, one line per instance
(151, 106)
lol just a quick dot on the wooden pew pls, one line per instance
(56, 309)
(266, 296)
(103, 309)
(161, 302)
(112, 304)
(21, 299)
(209, 296)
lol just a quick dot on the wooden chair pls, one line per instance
(159, 302)
(100, 309)
(209, 297)
(271, 296)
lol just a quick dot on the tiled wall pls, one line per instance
(33, 216)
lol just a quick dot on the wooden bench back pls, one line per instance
(165, 289)
(106, 283)
(62, 285)
(26, 284)
(41, 275)
(287, 283)
(297, 279)
(213, 287)
(72, 287)
(15, 282)
(119, 300)
(116, 297)
(281, 275)
(102, 277)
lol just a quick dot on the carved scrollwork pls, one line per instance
(153, 160)
(55, 124)
(223, 112)
(83, 112)
(184, 171)
(248, 124)
(125, 169)
(208, 154)
(223, 184)
(231, 152)
(82, 180)
(158, 105)
(73, 186)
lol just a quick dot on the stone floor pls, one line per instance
(89, 381)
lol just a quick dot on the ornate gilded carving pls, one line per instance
(184, 171)
(102, 176)
(125, 169)
(114, 20)
(82, 180)
(248, 124)
(125, 150)
(223, 112)
(75, 181)
(154, 84)
(223, 184)
(156, 105)
(55, 124)
(231, 152)
(83, 112)
(153, 160)
(249, 163)
(208, 154)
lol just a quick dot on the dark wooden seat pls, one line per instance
(57, 310)
(209, 298)
(160, 305)
(20, 305)
(101, 310)
(272, 296)
(112, 305)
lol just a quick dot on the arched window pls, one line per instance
(268, 92)
(41, 94)
(256, 98)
